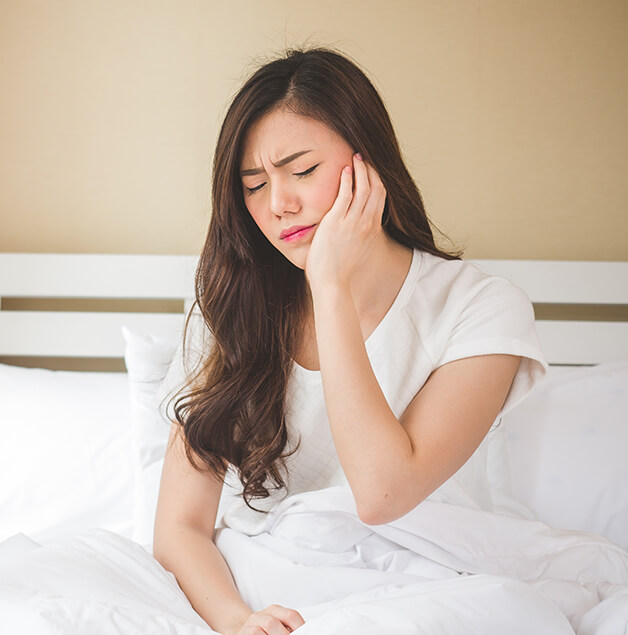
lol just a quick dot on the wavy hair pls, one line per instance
(252, 299)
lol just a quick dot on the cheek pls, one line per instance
(326, 190)
(256, 214)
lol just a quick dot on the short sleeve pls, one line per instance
(496, 317)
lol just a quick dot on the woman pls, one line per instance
(343, 346)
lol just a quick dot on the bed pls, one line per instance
(82, 449)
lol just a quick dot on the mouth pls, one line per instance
(295, 233)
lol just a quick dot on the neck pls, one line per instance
(373, 290)
(379, 281)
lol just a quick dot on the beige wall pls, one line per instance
(511, 113)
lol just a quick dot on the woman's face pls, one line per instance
(290, 174)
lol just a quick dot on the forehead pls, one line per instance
(281, 133)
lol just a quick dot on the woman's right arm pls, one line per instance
(183, 544)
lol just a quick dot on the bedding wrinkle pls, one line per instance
(565, 570)
(95, 582)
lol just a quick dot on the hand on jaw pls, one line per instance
(347, 233)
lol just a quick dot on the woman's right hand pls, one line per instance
(273, 620)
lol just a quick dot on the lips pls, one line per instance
(294, 232)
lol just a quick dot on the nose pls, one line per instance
(283, 198)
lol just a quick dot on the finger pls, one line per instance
(343, 199)
(268, 624)
(289, 617)
(374, 208)
(361, 187)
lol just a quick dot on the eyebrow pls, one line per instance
(279, 164)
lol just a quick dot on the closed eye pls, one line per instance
(308, 171)
(300, 175)
(252, 190)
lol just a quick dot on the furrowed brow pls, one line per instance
(279, 164)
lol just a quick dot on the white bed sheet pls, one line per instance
(411, 576)
(315, 555)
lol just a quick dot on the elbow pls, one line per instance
(167, 538)
(374, 516)
(162, 538)
(161, 551)
(171, 537)
(387, 506)
(378, 510)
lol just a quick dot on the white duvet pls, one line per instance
(442, 569)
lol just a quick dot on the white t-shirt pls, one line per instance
(445, 310)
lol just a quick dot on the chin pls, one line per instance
(298, 262)
(298, 259)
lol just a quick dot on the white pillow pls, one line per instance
(157, 369)
(567, 445)
(65, 459)
(147, 358)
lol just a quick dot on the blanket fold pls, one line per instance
(441, 569)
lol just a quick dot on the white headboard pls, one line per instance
(588, 284)
(80, 333)
(97, 334)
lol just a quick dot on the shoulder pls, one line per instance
(444, 290)
(460, 311)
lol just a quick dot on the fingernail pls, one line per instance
(358, 156)
(348, 169)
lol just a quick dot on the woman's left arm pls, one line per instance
(392, 464)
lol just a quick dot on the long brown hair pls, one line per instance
(251, 297)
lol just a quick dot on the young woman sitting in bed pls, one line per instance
(340, 345)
